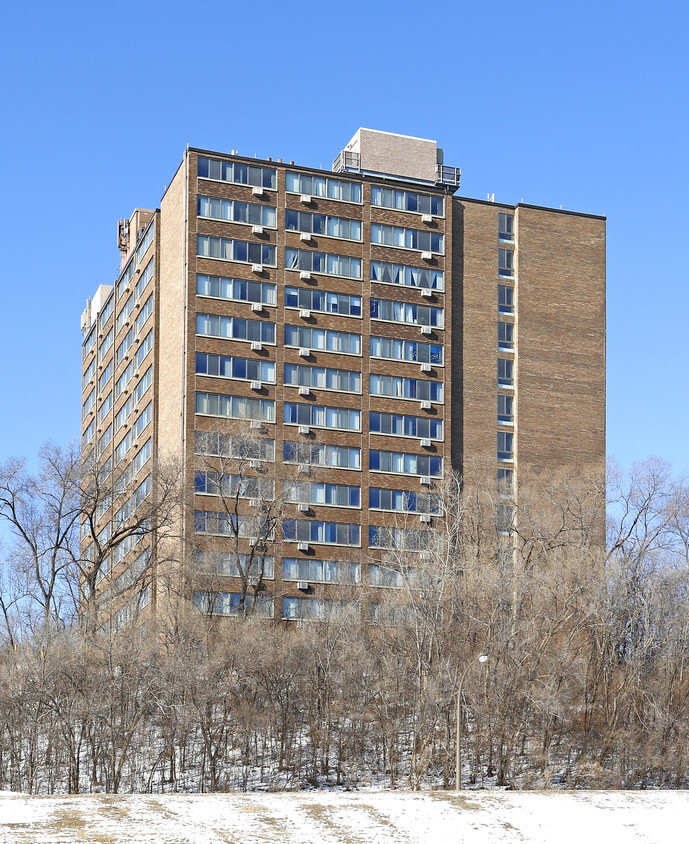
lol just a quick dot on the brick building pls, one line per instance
(353, 334)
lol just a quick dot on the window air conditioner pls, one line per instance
(253, 541)
(426, 367)
(257, 230)
(427, 293)
(306, 199)
(257, 347)
(257, 191)
(253, 502)
(304, 508)
(425, 518)
(427, 256)
(426, 329)
(304, 314)
(256, 385)
(257, 268)
(304, 391)
(255, 423)
(304, 429)
(256, 307)
(255, 464)
(307, 237)
(303, 546)
(305, 275)
(253, 582)
(304, 469)
(425, 555)
(425, 443)
(426, 218)
(425, 405)
(304, 353)
(303, 585)
(425, 480)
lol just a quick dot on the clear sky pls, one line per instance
(582, 105)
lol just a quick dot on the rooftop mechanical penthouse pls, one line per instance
(321, 348)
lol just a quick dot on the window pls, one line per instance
(407, 350)
(404, 200)
(236, 289)
(303, 221)
(105, 407)
(235, 407)
(89, 343)
(322, 262)
(403, 501)
(422, 240)
(106, 311)
(144, 314)
(224, 524)
(143, 455)
(143, 385)
(105, 440)
(235, 250)
(407, 312)
(235, 328)
(105, 345)
(313, 609)
(323, 533)
(144, 349)
(105, 377)
(401, 539)
(143, 420)
(88, 404)
(505, 372)
(243, 369)
(504, 518)
(88, 374)
(321, 571)
(322, 186)
(505, 479)
(229, 603)
(319, 416)
(320, 300)
(505, 409)
(88, 434)
(387, 273)
(236, 212)
(505, 446)
(505, 263)
(124, 379)
(334, 456)
(144, 278)
(123, 414)
(335, 495)
(123, 315)
(318, 377)
(400, 463)
(406, 388)
(384, 576)
(397, 425)
(237, 172)
(238, 447)
(324, 340)
(231, 565)
(217, 483)
(505, 226)
(124, 346)
(505, 336)
(505, 299)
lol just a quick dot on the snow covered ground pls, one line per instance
(349, 818)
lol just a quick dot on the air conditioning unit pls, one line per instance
(257, 230)
(257, 268)
(426, 367)
(253, 541)
(255, 464)
(303, 585)
(304, 508)
(426, 329)
(253, 502)
(306, 199)
(256, 385)
(307, 237)
(425, 480)
(304, 429)
(303, 546)
(256, 307)
(257, 347)
(426, 218)
(425, 555)
(304, 314)
(427, 256)
(425, 518)
(256, 423)
(303, 469)
(305, 275)
(253, 582)
(427, 293)
(425, 405)
(425, 443)
(257, 191)
(304, 353)
(304, 391)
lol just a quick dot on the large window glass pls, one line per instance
(405, 200)
(236, 289)
(323, 301)
(237, 172)
(237, 212)
(325, 224)
(389, 348)
(424, 277)
(235, 250)
(324, 186)
(424, 241)
(322, 262)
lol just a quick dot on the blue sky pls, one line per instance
(581, 105)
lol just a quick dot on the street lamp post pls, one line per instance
(458, 738)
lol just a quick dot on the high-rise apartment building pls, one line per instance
(347, 336)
